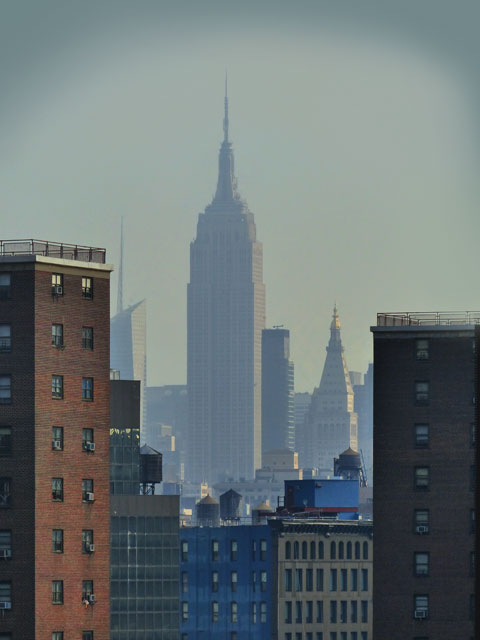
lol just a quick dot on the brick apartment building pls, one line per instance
(54, 442)
(424, 475)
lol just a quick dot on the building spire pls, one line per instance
(335, 328)
(120, 272)
(225, 117)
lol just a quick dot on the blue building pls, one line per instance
(336, 498)
(225, 582)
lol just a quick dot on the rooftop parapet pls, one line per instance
(52, 250)
(428, 318)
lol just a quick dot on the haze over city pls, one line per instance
(355, 138)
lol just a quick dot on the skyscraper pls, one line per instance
(226, 315)
(128, 341)
(278, 424)
(331, 423)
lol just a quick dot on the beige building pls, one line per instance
(324, 580)
(331, 422)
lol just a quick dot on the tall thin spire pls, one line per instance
(120, 272)
(225, 118)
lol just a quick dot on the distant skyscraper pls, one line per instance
(364, 409)
(226, 315)
(278, 425)
(301, 406)
(331, 423)
(128, 340)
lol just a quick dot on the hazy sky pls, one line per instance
(355, 131)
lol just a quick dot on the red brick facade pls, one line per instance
(33, 412)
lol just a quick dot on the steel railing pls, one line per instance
(52, 250)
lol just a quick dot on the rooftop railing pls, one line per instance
(428, 318)
(52, 250)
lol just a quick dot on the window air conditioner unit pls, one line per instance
(420, 614)
(57, 445)
(421, 528)
(5, 553)
(90, 496)
(58, 290)
(5, 605)
(91, 548)
(89, 446)
(91, 598)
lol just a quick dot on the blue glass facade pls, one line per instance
(225, 583)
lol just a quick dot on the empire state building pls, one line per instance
(226, 315)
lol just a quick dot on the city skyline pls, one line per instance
(356, 139)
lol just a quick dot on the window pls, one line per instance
(5, 492)
(184, 551)
(214, 611)
(57, 635)
(365, 550)
(296, 551)
(233, 550)
(420, 606)
(473, 433)
(288, 580)
(57, 489)
(87, 591)
(57, 335)
(5, 544)
(6, 594)
(421, 349)
(421, 434)
(263, 581)
(343, 611)
(263, 550)
(364, 610)
(288, 550)
(263, 612)
(422, 393)
(87, 389)
(343, 580)
(421, 478)
(298, 612)
(57, 438)
(349, 550)
(5, 338)
(304, 551)
(288, 612)
(320, 550)
(333, 551)
(319, 576)
(87, 541)
(234, 580)
(57, 540)
(214, 550)
(333, 579)
(87, 490)
(341, 550)
(421, 521)
(57, 387)
(254, 549)
(254, 612)
(5, 286)
(184, 611)
(313, 550)
(57, 284)
(364, 579)
(298, 579)
(421, 563)
(357, 550)
(254, 580)
(87, 338)
(57, 592)
(309, 612)
(472, 520)
(5, 441)
(5, 389)
(184, 582)
(353, 611)
(472, 560)
(333, 611)
(353, 579)
(320, 611)
(233, 612)
(87, 287)
(87, 440)
(309, 579)
(87, 635)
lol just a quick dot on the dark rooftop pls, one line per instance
(427, 318)
(52, 250)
